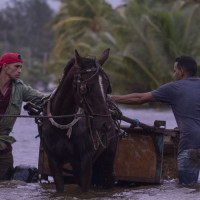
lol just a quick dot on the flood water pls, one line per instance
(26, 151)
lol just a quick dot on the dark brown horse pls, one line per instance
(88, 141)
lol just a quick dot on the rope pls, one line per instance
(42, 116)
(60, 126)
(56, 116)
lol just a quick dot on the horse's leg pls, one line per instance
(76, 171)
(86, 172)
(104, 167)
(82, 170)
(56, 171)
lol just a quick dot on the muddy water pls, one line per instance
(25, 152)
(167, 191)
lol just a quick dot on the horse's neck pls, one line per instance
(64, 103)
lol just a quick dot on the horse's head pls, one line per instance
(92, 86)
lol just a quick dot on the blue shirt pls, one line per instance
(184, 98)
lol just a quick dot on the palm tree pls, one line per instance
(145, 37)
(83, 25)
(151, 36)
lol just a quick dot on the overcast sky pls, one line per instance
(55, 4)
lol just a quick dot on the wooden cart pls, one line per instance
(144, 156)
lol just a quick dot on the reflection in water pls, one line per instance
(26, 151)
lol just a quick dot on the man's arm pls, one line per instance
(32, 95)
(134, 98)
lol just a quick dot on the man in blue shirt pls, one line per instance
(183, 95)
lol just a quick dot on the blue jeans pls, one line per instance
(188, 166)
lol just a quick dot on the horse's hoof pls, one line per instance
(85, 190)
(59, 191)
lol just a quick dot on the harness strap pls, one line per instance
(60, 126)
(94, 141)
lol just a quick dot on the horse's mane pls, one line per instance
(69, 66)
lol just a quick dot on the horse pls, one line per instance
(87, 138)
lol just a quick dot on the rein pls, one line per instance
(55, 116)
(44, 116)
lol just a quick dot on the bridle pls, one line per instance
(81, 89)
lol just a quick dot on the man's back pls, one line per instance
(184, 98)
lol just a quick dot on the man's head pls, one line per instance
(184, 66)
(11, 65)
(8, 58)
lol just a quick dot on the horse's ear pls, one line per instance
(78, 58)
(104, 57)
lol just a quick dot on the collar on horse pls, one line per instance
(60, 126)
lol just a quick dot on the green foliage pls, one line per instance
(152, 34)
(24, 30)
(145, 36)
(82, 25)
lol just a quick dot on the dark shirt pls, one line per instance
(4, 100)
(184, 98)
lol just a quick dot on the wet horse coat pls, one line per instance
(88, 143)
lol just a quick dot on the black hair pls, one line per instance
(188, 64)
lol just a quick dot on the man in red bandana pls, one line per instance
(12, 94)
